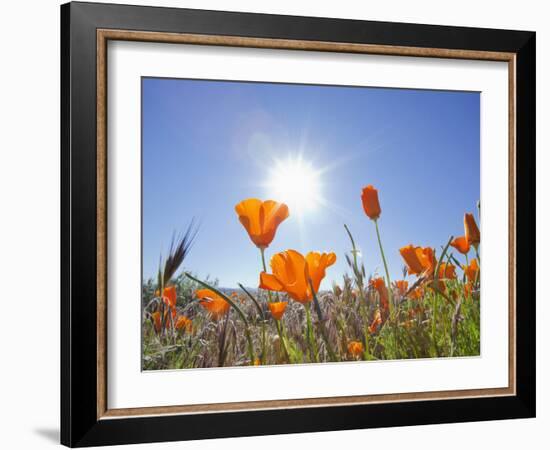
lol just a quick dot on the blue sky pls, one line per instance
(209, 144)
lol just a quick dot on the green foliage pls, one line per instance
(347, 315)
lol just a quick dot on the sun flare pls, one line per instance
(295, 182)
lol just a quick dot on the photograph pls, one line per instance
(294, 223)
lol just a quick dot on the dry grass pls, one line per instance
(435, 325)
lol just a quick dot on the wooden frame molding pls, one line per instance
(103, 36)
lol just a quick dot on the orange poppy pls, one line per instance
(416, 294)
(317, 264)
(429, 262)
(377, 320)
(420, 261)
(440, 286)
(402, 287)
(183, 323)
(355, 348)
(169, 297)
(380, 285)
(471, 231)
(261, 219)
(277, 309)
(410, 255)
(157, 322)
(213, 303)
(292, 271)
(371, 205)
(461, 244)
(447, 271)
(471, 271)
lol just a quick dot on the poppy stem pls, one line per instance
(172, 327)
(388, 280)
(256, 303)
(435, 284)
(262, 318)
(322, 324)
(476, 281)
(221, 341)
(434, 307)
(250, 346)
(161, 303)
(309, 332)
(262, 252)
(279, 325)
(264, 344)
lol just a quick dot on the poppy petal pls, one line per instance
(270, 282)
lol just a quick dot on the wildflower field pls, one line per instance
(188, 322)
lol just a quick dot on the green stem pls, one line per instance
(279, 326)
(388, 279)
(264, 344)
(172, 327)
(161, 304)
(250, 346)
(392, 317)
(476, 281)
(309, 332)
(434, 306)
(331, 353)
(221, 341)
(262, 252)
(264, 349)
(262, 318)
(251, 297)
(437, 291)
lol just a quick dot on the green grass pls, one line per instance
(348, 311)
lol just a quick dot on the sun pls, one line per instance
(295, 182)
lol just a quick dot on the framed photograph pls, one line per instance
(276, 224)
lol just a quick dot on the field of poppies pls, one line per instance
(189, 322)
